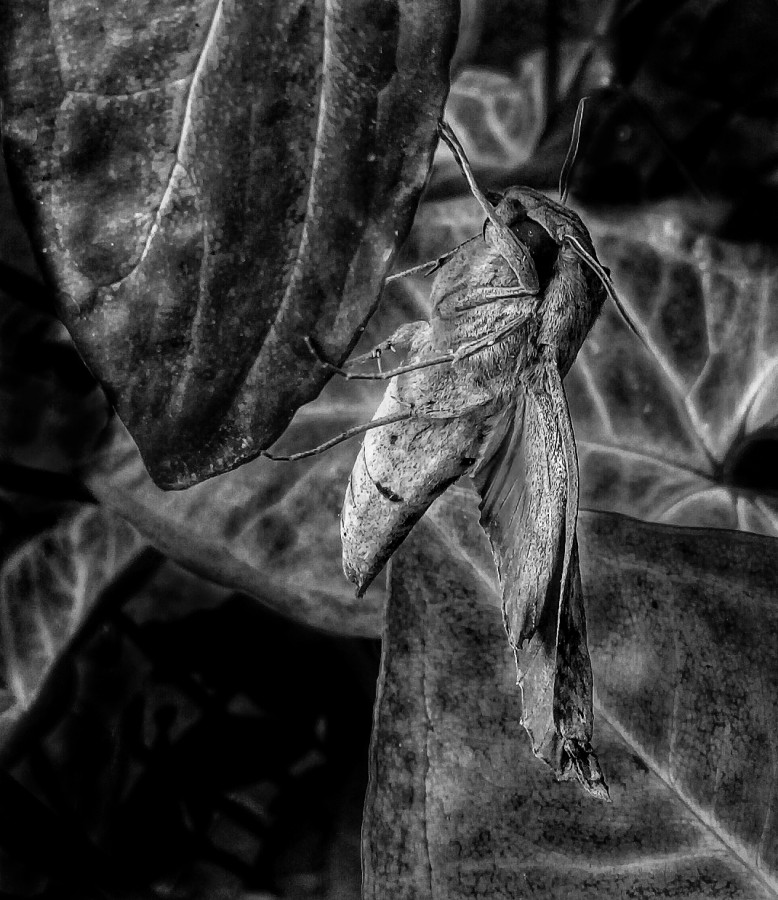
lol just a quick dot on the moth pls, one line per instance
(480, 394)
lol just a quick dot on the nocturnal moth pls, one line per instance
(480, 394)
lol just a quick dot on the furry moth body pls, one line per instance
(512, 307)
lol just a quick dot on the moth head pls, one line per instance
(568, 233)
(532, 233)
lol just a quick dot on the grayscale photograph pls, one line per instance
(389, 450)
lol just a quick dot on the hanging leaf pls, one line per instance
(683, 638)
(207, 183)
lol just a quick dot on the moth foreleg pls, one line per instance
(423, 413)
(343, 436)
(512, 250)
(399, 342)
(437, 360)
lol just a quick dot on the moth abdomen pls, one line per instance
(402, 467)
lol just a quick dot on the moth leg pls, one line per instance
(449, 356)
(399, 342)
(432, 265)
(440, 359)
(343, 436)
(438, 414)
(412, 413)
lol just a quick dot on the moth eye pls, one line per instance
(542, 247)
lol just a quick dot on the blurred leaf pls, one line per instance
(52, 412)
(208, 183)
(683, 100)
(670, 435)
(48, 586)
(684, 631)
(268, 528)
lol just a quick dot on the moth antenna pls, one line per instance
(451, 139)
(432, 265)
(598, 270)
(512, 250)
(572, 152)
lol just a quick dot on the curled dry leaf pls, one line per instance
(48, 585)
(683, 638)
(207, 183)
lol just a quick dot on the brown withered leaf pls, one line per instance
(683, 633)
(207, 183)
(48, 586)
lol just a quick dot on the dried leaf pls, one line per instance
(48, 585)
(212, 175)
(683, 635)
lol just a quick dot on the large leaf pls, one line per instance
(209, 182)
(684, 634)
